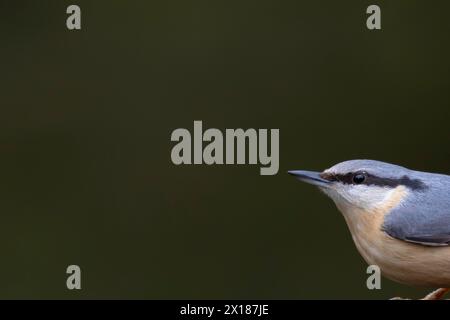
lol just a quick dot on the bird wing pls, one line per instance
(412, 227)
(423, 219)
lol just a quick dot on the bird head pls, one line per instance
(364, 184)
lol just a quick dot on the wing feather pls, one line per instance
(424, 217)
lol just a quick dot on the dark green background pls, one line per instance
(85, 123)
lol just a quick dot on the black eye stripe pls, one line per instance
(414, 184)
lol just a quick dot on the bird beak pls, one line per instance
(310, 177)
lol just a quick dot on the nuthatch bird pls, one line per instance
(399, 218)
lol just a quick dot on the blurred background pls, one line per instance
(86, 116)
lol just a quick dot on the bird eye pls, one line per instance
(359, 178)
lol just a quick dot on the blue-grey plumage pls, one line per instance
(399, 218)
(424, 216)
